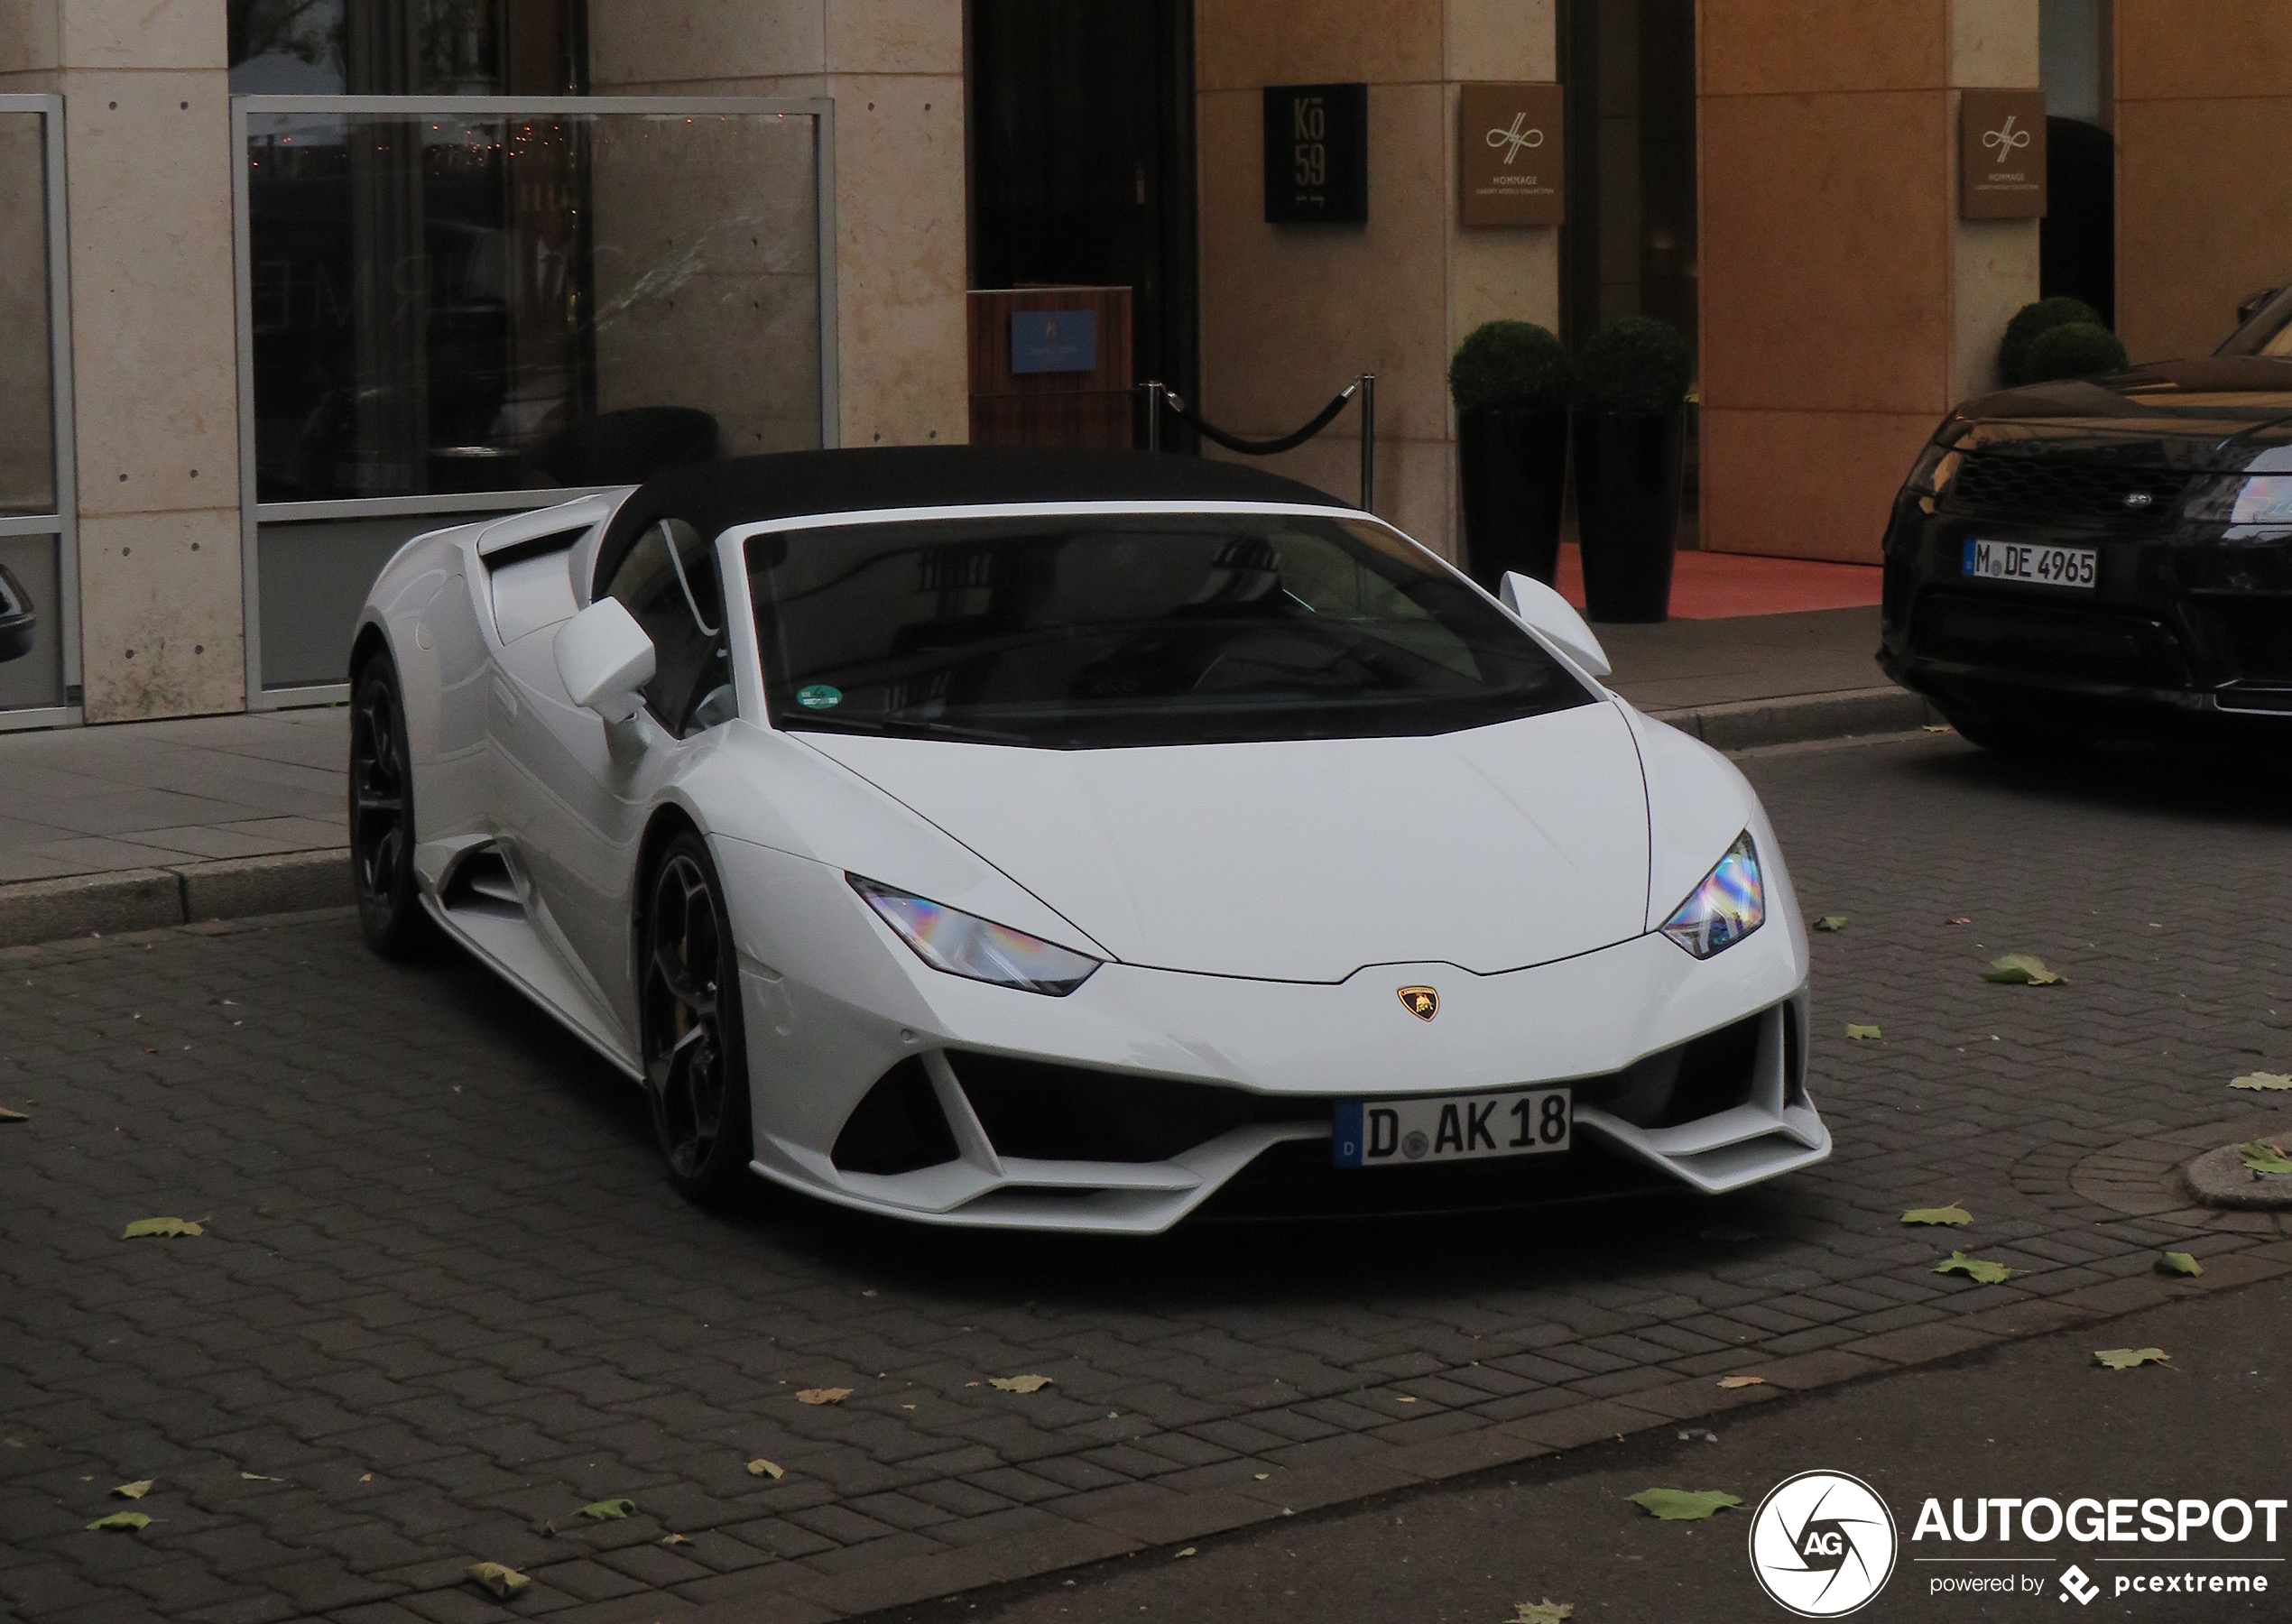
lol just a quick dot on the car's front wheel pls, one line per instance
(382, 815)
(696, 1063)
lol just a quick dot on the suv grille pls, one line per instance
(2046, 639)
(2063, 488)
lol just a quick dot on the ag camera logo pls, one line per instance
(1822, 1544)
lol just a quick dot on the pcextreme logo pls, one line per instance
(1822, 1544)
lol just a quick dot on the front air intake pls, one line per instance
(898, 1127)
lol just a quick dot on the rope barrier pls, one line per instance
(1159, 394)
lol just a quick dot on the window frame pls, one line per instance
(463, 507)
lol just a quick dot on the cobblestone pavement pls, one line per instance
(443, 1299)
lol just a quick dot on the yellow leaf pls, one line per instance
(1188, 1551)
(1547, 1612)
(504, 1582)
(674, 1539)
(134, 1491)
(1682, 1505)
(121, 1522)
(1952, 1213)
(2020, 969)
(2263, 1082)
(1743, 1381)
(2125, 1358)
(257, 1477)
(608, 1510)
(162, 1228)
(2180, 1263)
(1832, 922)
(7, 1115)
(1859, 1032)
(1020, 1384)
(759, 1467)
(1978, 1269)
(822, 1395)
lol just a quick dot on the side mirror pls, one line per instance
(605, 659)
(1553, 615)
(18, 622)
(2251, 305)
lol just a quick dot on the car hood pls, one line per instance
(1491, 849)
(2203, 413)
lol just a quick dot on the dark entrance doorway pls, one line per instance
(1082, 160)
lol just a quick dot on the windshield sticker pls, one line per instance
(820, 695)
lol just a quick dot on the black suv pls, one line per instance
(2107, 557)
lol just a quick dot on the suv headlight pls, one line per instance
(962, 944)
(2258, 499)
(1728, 905)
(1937, 465)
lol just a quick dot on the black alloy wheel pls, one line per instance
(382, 815)
(695, 1063)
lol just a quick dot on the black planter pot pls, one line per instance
(1512, 466)
(1627, 510)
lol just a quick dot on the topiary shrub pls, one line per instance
(2078, 349)
(2027, 323)
(1510, 367)
(1634, 364)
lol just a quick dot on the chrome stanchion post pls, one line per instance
(1368, 442)
(1153, 388)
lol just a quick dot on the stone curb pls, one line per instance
(791, 1593)
(1802, 718)
(34, 911)
(2220, 1178)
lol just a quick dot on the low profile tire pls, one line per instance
(695, 1059)
(2005, 735)
(382, 816)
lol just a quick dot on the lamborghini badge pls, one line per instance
(1422, 1002)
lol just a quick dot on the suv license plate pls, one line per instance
(2028, 561)
(1398, 1133)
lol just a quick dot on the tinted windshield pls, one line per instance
(2267, 333)
(1078, 632)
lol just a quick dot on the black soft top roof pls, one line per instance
(715, 496)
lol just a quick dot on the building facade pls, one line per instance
(284, 281)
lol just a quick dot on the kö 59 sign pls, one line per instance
(1316, 154)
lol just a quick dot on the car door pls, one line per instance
(577, 790)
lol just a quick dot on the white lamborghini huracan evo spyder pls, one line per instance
(1072, 840)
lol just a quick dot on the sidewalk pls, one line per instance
(151, 824)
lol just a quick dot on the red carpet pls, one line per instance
(1713, 586)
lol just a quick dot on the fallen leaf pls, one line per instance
(1986, 1272)
(2265, 1158)
(121, 1522)
(164, 1227)
(1683, 1504)
(1960, 919)
(1743, 1381)
(1952, 1213)
(7, 1115)
(608, 1510)
(2173, 1262)
(257, 1477)
(1858, 1032)
(1188, 1551)
(1263, 1475)
(2125, 1358)
(822, 1395)
(367, 1477)
(134, 1491)
(867, 1294)
(759, 1467)
(504, 1582)
(1405, 1398)
(1020, 1384)
(2263, 1082)
(2020, 969)
(674, 1539)
(1831, 922)
(1547, 1612)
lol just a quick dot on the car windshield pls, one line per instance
(2269, 332)
(1113, 629)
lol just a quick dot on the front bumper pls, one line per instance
(882, 1084)
(2182, 630)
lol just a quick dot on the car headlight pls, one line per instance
(2262, 499)
(1937, 465)
(1728, 905)
(962, 944)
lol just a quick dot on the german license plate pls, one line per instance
(1400, 1133)
(2028, 561)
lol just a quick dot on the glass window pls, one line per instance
(451, 302)
(1095, 630)
(669, 583)
(27, 381)
(406, 47)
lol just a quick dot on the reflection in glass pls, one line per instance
(456, 303)
(406, 47)
(27, 385)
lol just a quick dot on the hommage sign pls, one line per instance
(1510, 155)
(1316, 154)
(2001, 155)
